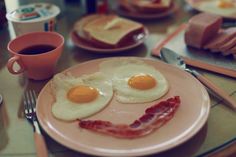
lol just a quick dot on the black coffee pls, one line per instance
(36, 49)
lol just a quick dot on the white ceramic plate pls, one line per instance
(210, 6)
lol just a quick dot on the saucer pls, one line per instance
(138, 39)
(146, 16)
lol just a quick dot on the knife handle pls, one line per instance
(209, 67)
(216, 90)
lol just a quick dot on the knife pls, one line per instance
(175, 59)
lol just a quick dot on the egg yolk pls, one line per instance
(82, 94)
(225, 4)
(142, 82)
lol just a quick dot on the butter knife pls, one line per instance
(175, 59)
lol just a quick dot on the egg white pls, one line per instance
(212, 7)
(67, 110)
(120, 70)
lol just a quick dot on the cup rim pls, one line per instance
(32, 33)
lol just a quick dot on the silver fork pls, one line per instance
(30, 113)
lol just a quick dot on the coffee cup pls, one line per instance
(36, 54)
(33, 17)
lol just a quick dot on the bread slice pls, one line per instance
(79, 25)
(151, 6)
(109, 31)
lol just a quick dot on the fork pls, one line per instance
(30, 113)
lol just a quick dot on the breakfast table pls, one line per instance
(216, 138)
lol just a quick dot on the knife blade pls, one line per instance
(175, 59)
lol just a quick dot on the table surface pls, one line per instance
(16, 134)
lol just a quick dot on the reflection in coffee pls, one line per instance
(36, 49)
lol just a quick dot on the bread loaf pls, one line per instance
(201, 29)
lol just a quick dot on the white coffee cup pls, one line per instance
(33, 17)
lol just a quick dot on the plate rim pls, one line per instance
(201, 121)
(109, 50)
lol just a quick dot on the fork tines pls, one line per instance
(30, 102)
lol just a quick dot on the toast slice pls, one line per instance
(108, 31)
(79, 25)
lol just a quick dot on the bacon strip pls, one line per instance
(153, 118)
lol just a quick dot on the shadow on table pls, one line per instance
(4, 123)
(2, 63)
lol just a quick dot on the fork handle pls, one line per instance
(41, 149)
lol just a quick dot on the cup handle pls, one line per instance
(11, 62)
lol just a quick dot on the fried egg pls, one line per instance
(134, 81)
(219, 7)
(80, 97)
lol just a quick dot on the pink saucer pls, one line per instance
(138, 15)
(139, 39)
(188, 120)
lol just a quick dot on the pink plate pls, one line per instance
(210, 6)
(143, 16)
(188, 120)
(138, 40)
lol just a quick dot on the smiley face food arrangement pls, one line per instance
(131, 80)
